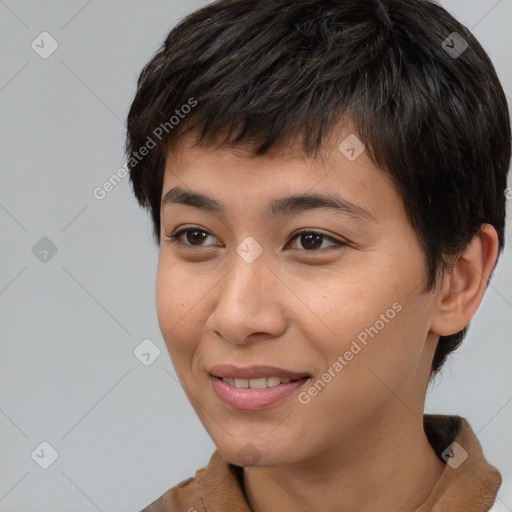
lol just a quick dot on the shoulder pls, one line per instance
(183, 497)
(218, 486)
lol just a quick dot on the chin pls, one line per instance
(255, 454)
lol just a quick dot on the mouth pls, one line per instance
(256, 387)
(260, 383)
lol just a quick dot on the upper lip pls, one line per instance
(253, 372)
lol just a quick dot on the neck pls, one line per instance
(378, 471)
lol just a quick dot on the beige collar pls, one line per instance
(466, 484)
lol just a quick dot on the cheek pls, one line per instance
(178, 307)
(383, 357)
(356, 307)
(373, 323)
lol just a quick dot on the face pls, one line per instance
(338, 310)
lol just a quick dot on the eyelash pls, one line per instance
(174, 238)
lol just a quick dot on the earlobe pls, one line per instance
(462, 287)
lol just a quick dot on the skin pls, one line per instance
(359, 443)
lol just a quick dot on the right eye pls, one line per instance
(197, 235)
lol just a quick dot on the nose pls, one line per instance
(248, 304)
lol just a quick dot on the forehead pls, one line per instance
(223, 179)
(339, 148)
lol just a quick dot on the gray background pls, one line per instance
(124, 432)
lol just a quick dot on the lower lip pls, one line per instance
(251, 399)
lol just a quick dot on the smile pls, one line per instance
(255, 394)
(260, 383)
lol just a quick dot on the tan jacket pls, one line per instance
(466, 484)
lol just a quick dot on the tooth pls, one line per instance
(273, 381)
(242, 383)
(258, 383)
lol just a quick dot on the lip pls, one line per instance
(253, 372)
(253, 399)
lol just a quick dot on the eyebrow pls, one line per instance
(290, 205)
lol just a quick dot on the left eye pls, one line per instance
(310, 239)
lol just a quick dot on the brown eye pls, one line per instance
(309, 240)
(312, 240)
(194, 236)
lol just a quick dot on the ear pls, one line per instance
(463, 285)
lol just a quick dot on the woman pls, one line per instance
(327, 185)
